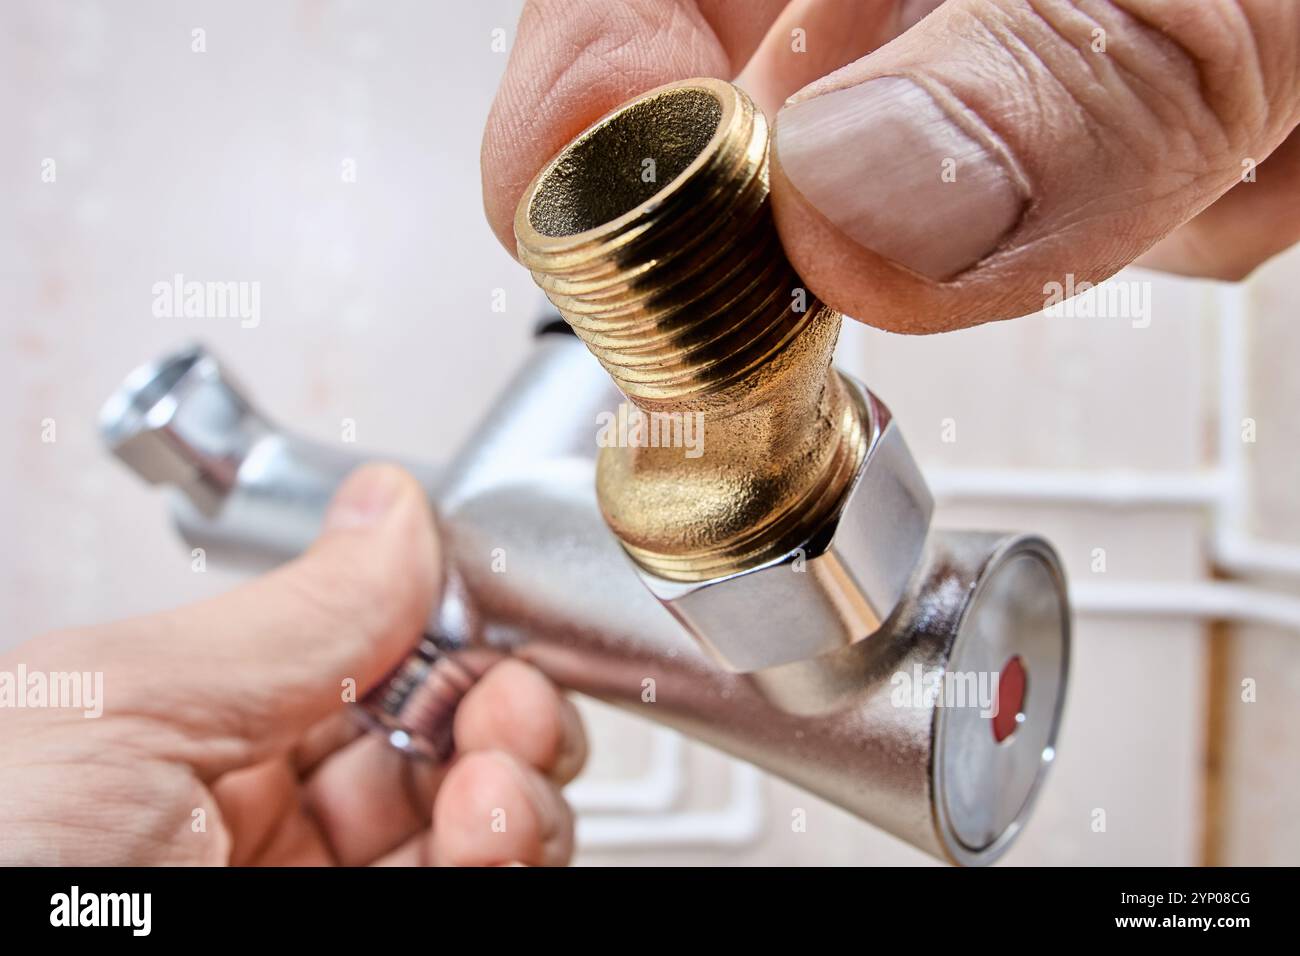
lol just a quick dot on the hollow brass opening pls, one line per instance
(606, 174)
(652, 233)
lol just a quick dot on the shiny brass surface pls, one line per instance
(652, 233)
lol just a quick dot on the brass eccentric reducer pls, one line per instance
(795, 531)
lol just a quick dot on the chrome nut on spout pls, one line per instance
(833, 590)
(795, 530)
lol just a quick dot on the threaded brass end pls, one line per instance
(653, 235)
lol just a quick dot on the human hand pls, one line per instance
(223, 736)
(966, 160)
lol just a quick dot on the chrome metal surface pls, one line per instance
(183, 422)
(982, 784)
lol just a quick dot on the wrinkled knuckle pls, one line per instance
(1208, 61)
(1119, 69)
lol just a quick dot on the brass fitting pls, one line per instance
(652, 233)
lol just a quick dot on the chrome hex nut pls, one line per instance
(182, 421)
(834, 590)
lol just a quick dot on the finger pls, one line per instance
(1001, 145)
(739, 27)
(414, 852)
(262, 815)
(369, 797)
(494, 809)
(324, 739)
(230, 681)
(514, 708)
(1258, 218)
(575, 60)
(814, 37)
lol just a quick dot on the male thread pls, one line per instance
(652, 233)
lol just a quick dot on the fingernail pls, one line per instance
(364, 498)
(889, 167)
(573, 744)
(554, 822)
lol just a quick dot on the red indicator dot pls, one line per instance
(1011, 699)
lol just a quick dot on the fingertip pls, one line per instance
(494, 810)
(517, 709)
(574, 61)
(379, 546)
(366, 496)
(845, 276)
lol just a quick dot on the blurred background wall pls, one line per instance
(1161, 453)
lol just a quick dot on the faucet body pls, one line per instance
(536, 572)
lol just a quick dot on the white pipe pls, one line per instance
(1224, 488)
(1235, 550)
(654, 791)
(1212, 600)
(737, 823)
(1055, 486)
(1233, 361)
(1241, 554)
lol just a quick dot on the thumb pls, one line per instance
(1002, 145)
(242, 676)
